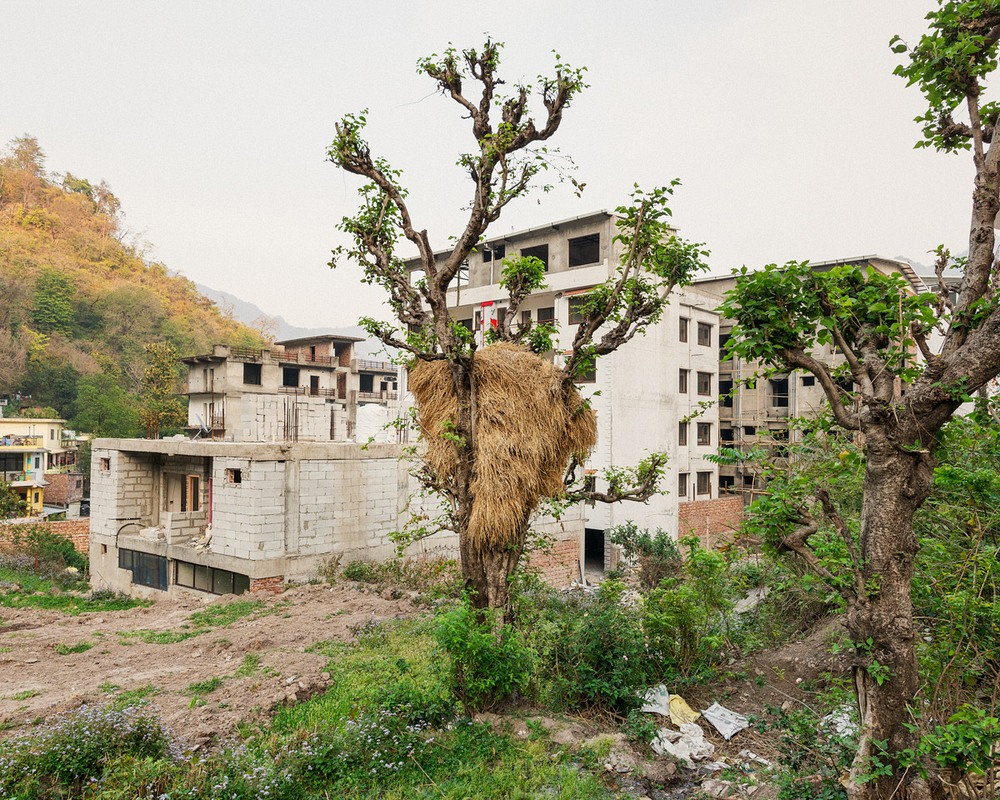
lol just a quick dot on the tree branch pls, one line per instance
(798, 358)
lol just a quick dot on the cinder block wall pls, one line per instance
(714, 522)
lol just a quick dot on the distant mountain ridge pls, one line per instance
(251, 314)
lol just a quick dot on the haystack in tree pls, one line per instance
(504, 428)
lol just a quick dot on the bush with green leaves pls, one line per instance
(590, 649)
(656, 555)
(50, 551)
(488, 660)
(78, 746)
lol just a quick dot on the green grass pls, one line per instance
(38, 592)
(27, 693)
(70, 649)
(250, 665)
(133, 697)
(218, 616)
(206, 686)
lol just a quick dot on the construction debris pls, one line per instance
(726, 722)
(689, 744)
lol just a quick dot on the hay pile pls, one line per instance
(526, 430)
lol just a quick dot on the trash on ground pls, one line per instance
(656, 701)
(688, 744)
(726, 722)
(680, 711)
(750, 755)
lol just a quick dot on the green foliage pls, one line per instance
(433, 578)
(682, 617)
(159, 405)
(48, 547)
(52, 311)
(489, 661)
(105, 408)
(793, 308)
(965, 743)
(70, 649)
(77, 746)
(590, 649)
(54, 589)
(656, 554)
(11, 504)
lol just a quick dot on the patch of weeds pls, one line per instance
(157, 637)
(24, 695)
(206, 686)
(433, 578)
(135, 697)
(109, 688)
(69, 649)
(5, 649)
(221, 615)
(251, 663)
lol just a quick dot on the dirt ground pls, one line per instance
(46, 682)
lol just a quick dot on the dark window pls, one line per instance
(466, 323)
(367, 382)
(147, 569)
(525, 319)
(705, 433)
(585, 250)
(682, 329)
(290, 376)
(725, 393)
(251, 374)
(576, 304)
(749, 430)
(779, 392)
(808, 380)
(105, 465)
(234, 476)
(704, 334)
(727, 435)
(748, 481)
(547, 314)
(704, 483)
(314, 384)
(682, 381)
(727, 483)
(541, 252)
(682, 434)
(705, 383)
(723, 340)
(682, 484)
(492, 251)
(210, 579)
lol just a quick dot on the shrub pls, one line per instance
(489, 661)
(79, 745)
(656, 554)
(591, 650)
(52, 552)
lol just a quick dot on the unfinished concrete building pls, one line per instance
(755, 406)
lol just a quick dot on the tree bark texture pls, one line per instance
(881, 622)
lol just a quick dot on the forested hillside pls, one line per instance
(87, 325)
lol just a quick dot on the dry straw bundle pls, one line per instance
(526, 429)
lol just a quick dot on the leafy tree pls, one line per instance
(897, 404)
(105, 408)
(52, 311)
(507, 155)
(159, 405)
(11, 505)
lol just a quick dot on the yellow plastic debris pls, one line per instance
(680, 712)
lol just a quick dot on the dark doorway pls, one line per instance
(593, 552)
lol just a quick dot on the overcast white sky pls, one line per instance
(211, 119)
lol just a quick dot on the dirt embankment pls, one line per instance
(37, 681)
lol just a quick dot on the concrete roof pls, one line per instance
(325, 337)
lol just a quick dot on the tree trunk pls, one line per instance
(881, 622)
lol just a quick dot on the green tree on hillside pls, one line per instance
(159, 405)
(52, 308)
(105, 408)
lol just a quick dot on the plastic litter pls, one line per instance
(680, 711)
(688, 744)
(751, 756)
(656, 701)
(726, 722)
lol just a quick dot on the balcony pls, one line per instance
(23, 442)
(362, 364)
(310, 392)
(373, 397)
(301, 357)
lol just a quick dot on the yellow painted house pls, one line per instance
(23, 460)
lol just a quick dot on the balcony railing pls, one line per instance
(377, 366)
(13, 477)
(245, 354)
(22, 441)
(299, 357)
(310, 392)
(379, 396)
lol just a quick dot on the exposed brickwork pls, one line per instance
(64, 488)
(275, 585)
(76, 530)
(713, 521)
(558, 565)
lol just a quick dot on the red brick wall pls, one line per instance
(275, 585)
(76, 530)
(63, 487)
(713, 521)
(557, 565)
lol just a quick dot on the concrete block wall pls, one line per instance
(122, 485)
(248, 519)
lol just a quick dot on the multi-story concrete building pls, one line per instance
(654, 394)
(306, 389)
(22, 467)
(60, 447)
(755, 405)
